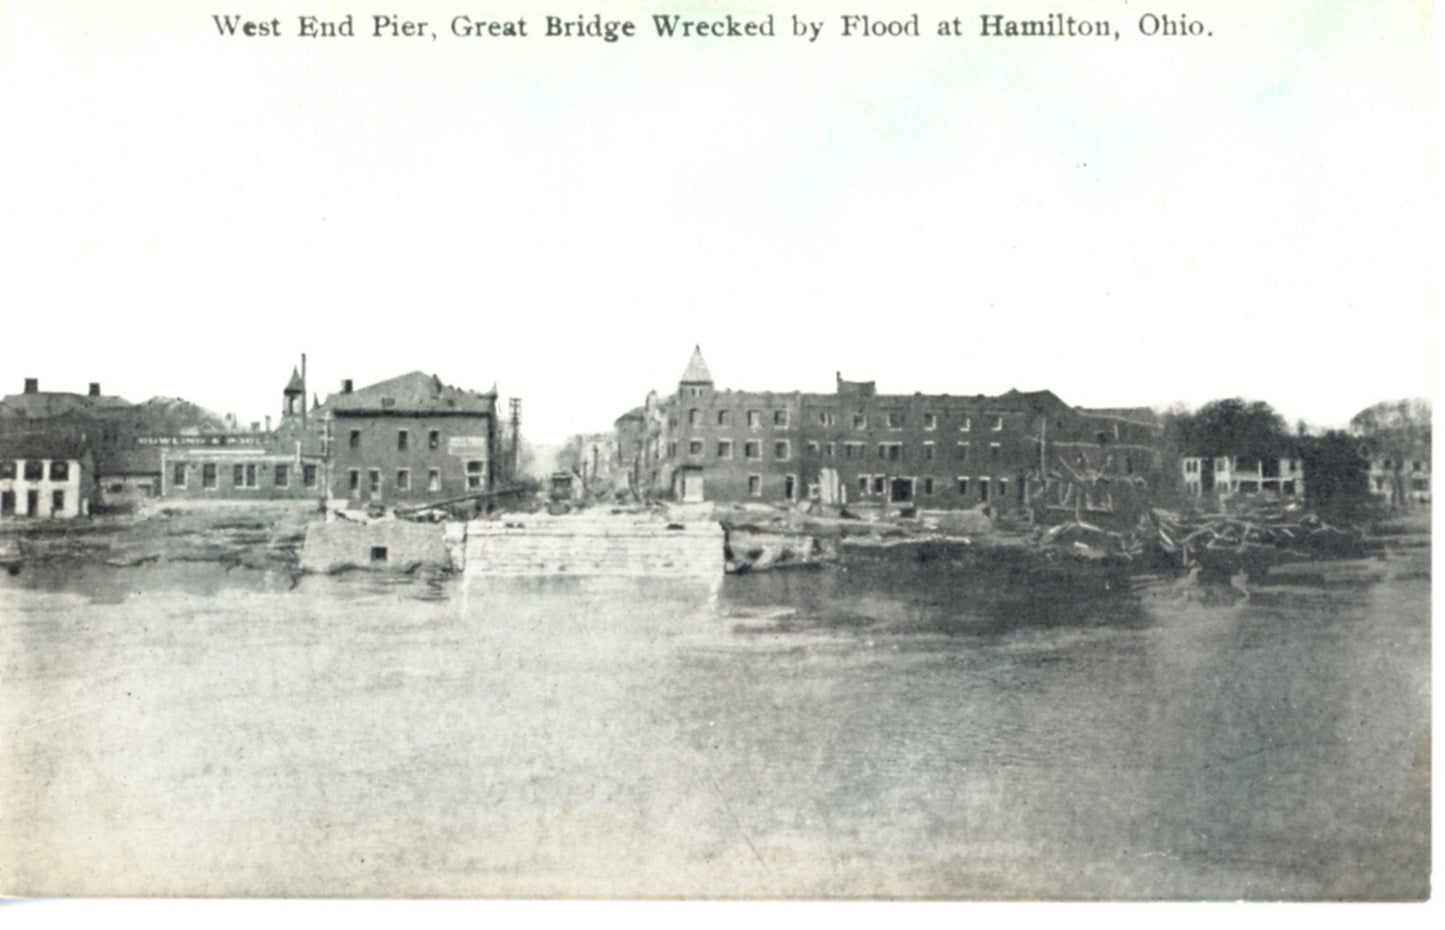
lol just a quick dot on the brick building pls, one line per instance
(285, 463)
(856, 446)
(410, 440)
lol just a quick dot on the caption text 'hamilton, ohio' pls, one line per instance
(671, 26)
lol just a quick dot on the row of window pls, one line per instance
(892, 419)
(782, 450)
(32, 503)
(403, 439)
(245, 475)
(964, 486)
(876, 485)
(476, 476)
(35, 470)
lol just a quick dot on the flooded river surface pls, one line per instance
(891, 727)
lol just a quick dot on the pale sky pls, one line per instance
(1129, 222)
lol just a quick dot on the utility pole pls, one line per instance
(516, 419)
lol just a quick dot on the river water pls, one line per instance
(950, 728)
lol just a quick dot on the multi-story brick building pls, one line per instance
(858, 446)
(410, 440)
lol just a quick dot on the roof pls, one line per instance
(696, 372)
(39, 444)
(295, 386)
(53, 403)
(1144, 416)
(415, 392)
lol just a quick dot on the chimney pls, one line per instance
(346, 385)
(268, 422)
(32, 385)
(95, 389)
(255, 426)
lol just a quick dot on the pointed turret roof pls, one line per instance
(294, 386)
(696, 372)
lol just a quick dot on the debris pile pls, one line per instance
(1266, 532)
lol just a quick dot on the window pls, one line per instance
(356, 439)
(178, 475)
(245, 476)
(930, 421)
(928, 451)
(755, 485)
(694, 447)
(434, 439)
(812, 447)
(694, 417)
(1003, 488)
(373, 480)
(474, 473)
(57, 501)
(402, 440)
(309, 475)
(825, 418)
(208, 476)
(860, 421)
(862, 484)
(996, 424)
(983, 489)
(353, 479)
(672, 450)
(433, 479)
(755, 418)
(780, 418)
(852, 450)
(830, 450)
(782, 450)
(35, 470)
(892, 451)
(960, 452)
(895, 420)
(877, 484)
(403, 479)
(725, 449)
(724, 418)
(7, 469)
(752, 449)
(60, 471)
(283, 476)
(993, 451)
(790, 486)
(927, 485)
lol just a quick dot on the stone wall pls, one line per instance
(594, 546)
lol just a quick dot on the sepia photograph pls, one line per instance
(826, 450)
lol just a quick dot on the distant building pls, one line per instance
(42, 477)
(1228, 476)
(1401, 480)
(856, 446)
(410, 440)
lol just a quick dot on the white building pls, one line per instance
(1228, 476)
(44, 488)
